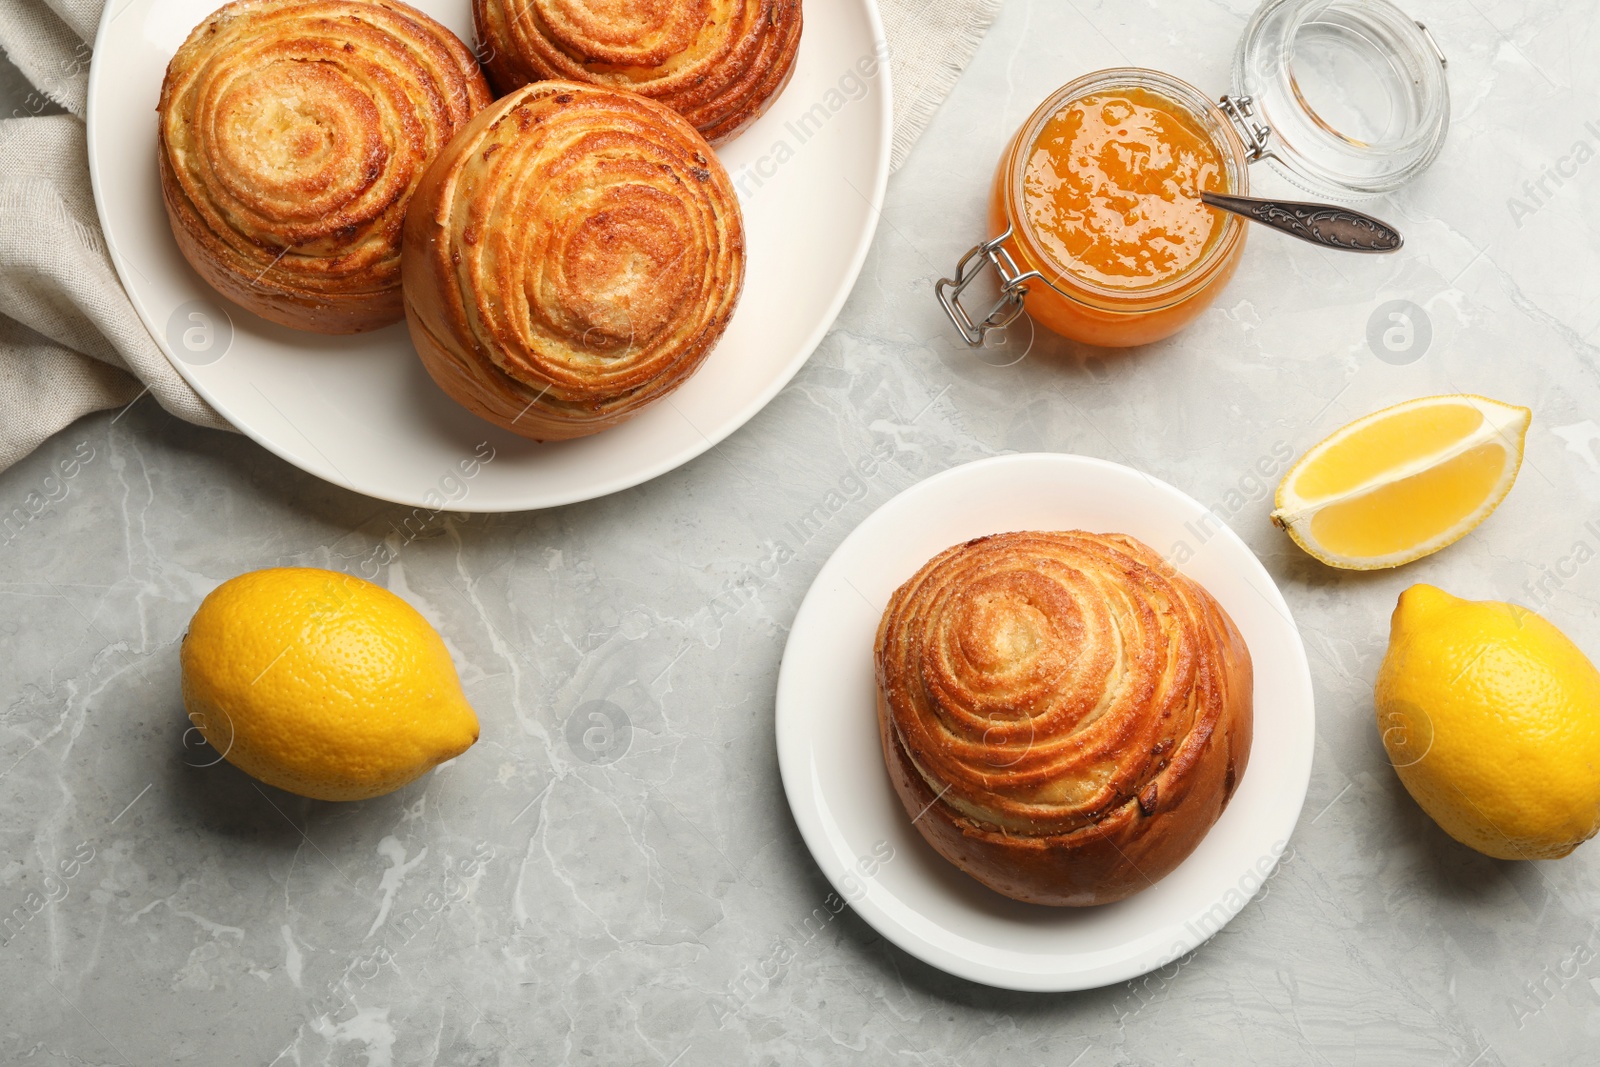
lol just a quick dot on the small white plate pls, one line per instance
(362, 413)
(839, 791)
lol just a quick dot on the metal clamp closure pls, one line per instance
(1437, 51)
(1241, 111)
(1013, 288)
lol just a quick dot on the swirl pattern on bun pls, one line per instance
(292, 134)
(572, 256)
(1064, 715)
(719, 63)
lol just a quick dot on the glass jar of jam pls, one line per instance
(1102, 236)
(1097, 195)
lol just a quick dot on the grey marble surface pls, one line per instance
(543, 901)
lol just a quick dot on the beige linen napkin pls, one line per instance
(71, 343)
(930, 44)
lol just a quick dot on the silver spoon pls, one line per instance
(1321, 224)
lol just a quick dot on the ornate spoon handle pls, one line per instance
(1321, 224)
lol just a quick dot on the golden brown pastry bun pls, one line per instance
(1063, 715)
(292, 133)
(571, 256)
(719, 63)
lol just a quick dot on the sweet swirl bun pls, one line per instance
(571, 256)
(292, 133)
(719, 63)
(1063, 715)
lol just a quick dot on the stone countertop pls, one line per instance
(590, 881)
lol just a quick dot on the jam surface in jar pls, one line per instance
(1111, 189)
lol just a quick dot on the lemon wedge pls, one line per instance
(1403, 482)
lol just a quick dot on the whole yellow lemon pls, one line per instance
(1491, 716)
(322, 684)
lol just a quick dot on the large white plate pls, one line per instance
(832, 763)
(362, 413)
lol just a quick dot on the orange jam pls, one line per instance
(1101, 191)
(1112, 189)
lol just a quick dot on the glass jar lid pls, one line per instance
(1353, 92)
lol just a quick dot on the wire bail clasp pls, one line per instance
(1013, 288)
(1256, 135)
